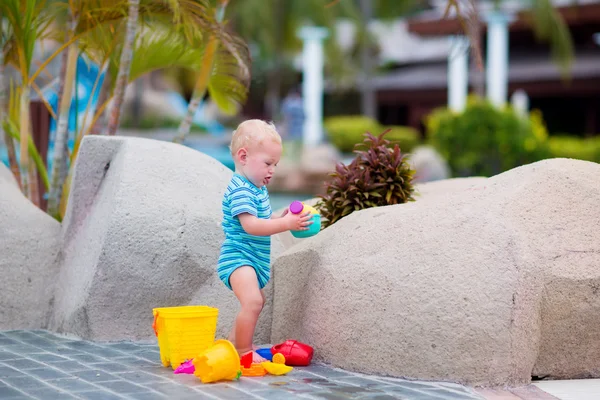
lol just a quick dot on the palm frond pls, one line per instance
(229, 82)
(548, 25)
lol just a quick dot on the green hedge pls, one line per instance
(485, 140)
(587, 149)
(346, 131)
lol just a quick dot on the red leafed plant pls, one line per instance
(378, 176)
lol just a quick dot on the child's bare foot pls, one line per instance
(256, 358)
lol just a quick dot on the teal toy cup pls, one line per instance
(297, 208)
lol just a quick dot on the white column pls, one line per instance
(458, 73)
(497, 57)
(312, 83)
(520, 102)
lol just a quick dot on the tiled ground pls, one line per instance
(40, 365)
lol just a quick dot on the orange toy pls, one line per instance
(254, 370)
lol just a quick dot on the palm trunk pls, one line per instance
(199, 90)
(203, 79)
(59, 160)
(23, 139)
(99, 127)
(124, 67)
(10, 144)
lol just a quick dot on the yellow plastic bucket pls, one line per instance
(183, 332)
(219, 362)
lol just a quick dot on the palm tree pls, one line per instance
(8, 140)
(224, 73)
(68, 70)
(28, 23)
(124, 66)
(272, 26)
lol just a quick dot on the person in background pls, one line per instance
(292, 109)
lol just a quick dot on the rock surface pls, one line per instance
(476, 286)
(428, 164)
(143, 230)
(29, 245)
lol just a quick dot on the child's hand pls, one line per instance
(297, 222)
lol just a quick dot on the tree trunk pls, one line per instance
(199, 90)
(29, 188)
(136, 103)
(203, 79)
(10, 144)
(474, 32)
(368, 101)
(99, 127)
(124, 67)
(59, 160)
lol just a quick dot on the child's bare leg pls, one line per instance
(245, 286)
(231, 337)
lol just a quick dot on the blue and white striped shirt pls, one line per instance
(240, 248)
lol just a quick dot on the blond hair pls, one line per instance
(253, 132)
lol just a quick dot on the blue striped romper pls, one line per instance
(240, 248)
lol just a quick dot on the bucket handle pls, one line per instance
(154, 326)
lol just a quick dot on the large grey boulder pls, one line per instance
(143, 230)
(29, 245)
(483, 287)
(428, 164)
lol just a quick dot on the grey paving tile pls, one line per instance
(148, 396)
(47, 357)
(140, 377)
(452, 394)
(47, 374)
(22, 349)
(38, 342)
(225, 392)
(158, 370)
(95, 375)
(51, 394)
(127, 347)
(131, 360)
(23, 363)
(361, 381)
(73, 385)
(69, 366)
(409, 393)
(109, 353)
(100, 395)
(6, 371)
(24, 382)
(19, 334)
(122, 387)
(7, 392)
(113, 367)
(294, 387)
(331, 396)
(171, 389)
(5, 341)
(5, 355)
(275, 394)
(87, 358)
(62, 350)
(325, 371)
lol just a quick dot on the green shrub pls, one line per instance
(345, 132)
(587, 149)
(485, 140)
(378, 176)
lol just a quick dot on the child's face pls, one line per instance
(258, 162)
